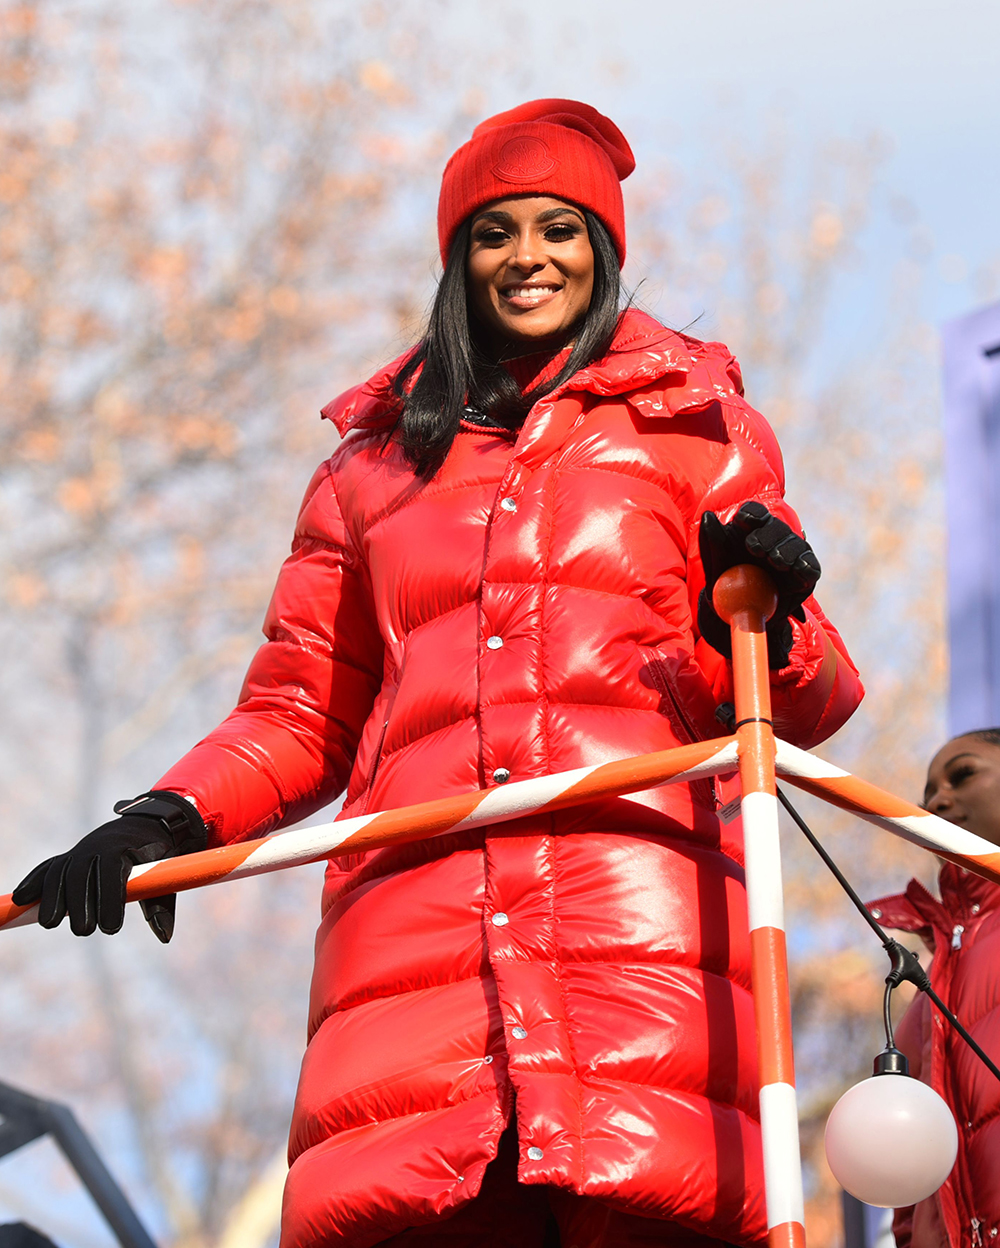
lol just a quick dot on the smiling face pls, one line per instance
(530, 271)
(963, 786)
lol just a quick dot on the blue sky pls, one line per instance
(923, 74)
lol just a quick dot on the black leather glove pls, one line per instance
(755, 536)
(88, 882)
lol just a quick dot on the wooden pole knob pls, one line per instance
(745, 588)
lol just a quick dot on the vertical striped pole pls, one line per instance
(745, 598)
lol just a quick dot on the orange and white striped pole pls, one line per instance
(745, 598)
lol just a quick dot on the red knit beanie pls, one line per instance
(560, 148)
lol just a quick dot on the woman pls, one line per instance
(963, 932)
(497, 576)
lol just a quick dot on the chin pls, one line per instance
(521, 332)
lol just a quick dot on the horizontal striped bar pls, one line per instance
(412, 823)
(885, 810)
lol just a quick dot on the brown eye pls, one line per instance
(957, 776)
(561, 233)
(491, 236)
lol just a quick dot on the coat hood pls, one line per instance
(662, 372)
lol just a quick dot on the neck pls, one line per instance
(499, 348)
(518, 350)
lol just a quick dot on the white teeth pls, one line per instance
(526, 292)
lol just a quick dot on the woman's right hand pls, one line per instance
(88, 882)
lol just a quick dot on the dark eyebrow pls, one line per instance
(550, 214)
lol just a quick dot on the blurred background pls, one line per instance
(214, 217)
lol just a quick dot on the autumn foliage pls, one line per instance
(214, 217)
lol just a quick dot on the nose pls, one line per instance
(527, 257)
(939, 804)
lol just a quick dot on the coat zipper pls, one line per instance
(945, 969)
(375, 765)
(685, 723)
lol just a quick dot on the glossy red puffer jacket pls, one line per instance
(529, 610)
(963, 932)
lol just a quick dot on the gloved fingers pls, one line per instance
(791, 554)
(112, 874)
(80, 892)
(156, 848)
(779, 645)
(112, 884)
(30, 888)
(807, 568)
(801, 577)
(771, 537)
(716, 548)
(52, 902)
(786, 552)
(159, 913)
(752, 515)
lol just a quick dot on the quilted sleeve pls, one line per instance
(819, 689)
(288, 747)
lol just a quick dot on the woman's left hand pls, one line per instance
(755, 536)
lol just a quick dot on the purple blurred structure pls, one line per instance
(972, 477)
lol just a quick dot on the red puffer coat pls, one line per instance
(529, 610)
(963, 931)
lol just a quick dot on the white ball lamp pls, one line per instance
(891, 1140)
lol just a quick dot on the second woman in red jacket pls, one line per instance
(497, 576)
(962, 929)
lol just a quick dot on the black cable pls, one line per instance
(890, 1037)
(838, 874)
(905, 963)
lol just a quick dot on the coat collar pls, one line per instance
(662, 372)
(918, 910)
(961, 889)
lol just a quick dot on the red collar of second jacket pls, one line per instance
(963, 893)
(662, 372)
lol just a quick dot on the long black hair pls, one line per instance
(458, 372)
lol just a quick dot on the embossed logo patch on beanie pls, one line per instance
(525, 159)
